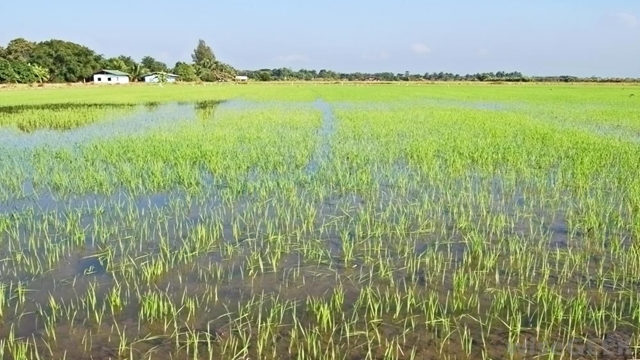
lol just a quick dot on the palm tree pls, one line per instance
(117, 64)
(136, 70)
(209, 70)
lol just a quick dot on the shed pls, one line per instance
(110, 77)
(153, 77)
(242, 78)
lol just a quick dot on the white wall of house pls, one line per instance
(110, 79)
(154, 79)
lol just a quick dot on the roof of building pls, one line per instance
(158, 72)
(112, 72)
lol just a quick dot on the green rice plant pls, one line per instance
(378, 222)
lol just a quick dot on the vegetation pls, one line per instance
(60, 61)
(283, 74)
(63, 61)
(322, 222)
(59, 117)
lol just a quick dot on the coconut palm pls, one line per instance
(209, 70)
(117, 64)
(136, 70)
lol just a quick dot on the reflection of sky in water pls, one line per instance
(45, 202)
(326, 130)
(144, 119)
(139, 122)
(147, 118)
(165, 116)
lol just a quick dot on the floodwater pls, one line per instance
(148, 117)
(142, 120)
(121, 241)
(324, 133)
(17, 109)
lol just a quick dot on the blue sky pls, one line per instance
(542, 37)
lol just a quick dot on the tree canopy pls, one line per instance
(24, 61)
(66, 61)
(185, 71)
(19, 49)
(153, 65)
(203, 53)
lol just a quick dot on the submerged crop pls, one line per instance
(349, 226)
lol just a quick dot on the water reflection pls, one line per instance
(206, 109)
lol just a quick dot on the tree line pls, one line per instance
(58, 61)
(285, 74)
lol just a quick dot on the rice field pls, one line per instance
(335, 222)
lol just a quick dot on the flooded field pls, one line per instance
(320, 222)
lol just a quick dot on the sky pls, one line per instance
(542, 37)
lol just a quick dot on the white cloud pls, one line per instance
(418, 48)
(293, 58)
(483, 53)
(628, 20)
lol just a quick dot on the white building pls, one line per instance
(242, 78)
(110, 77)
(153, 77)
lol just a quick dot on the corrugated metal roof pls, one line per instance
(113, 72)
(156, 73)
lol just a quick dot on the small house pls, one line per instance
(155, 77)
(242, 78)
(110, 77)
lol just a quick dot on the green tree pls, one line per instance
(225, 71)
(128, 60)
(207, 67)
(116, 64)
(185, 71)
(136, 70)
(206, 70)
(263, 75)
(7, 74)
(154, 65)
(203, 53)
(24, 72)
(66, 61)
(19, 49)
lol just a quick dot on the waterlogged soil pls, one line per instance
(157, 340)
(139, 228)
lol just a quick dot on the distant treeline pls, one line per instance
(285, 74)
(57, 61)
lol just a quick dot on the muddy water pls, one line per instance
(136, 225)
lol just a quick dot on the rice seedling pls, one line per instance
(327, 222)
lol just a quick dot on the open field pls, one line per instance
(275, 221)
